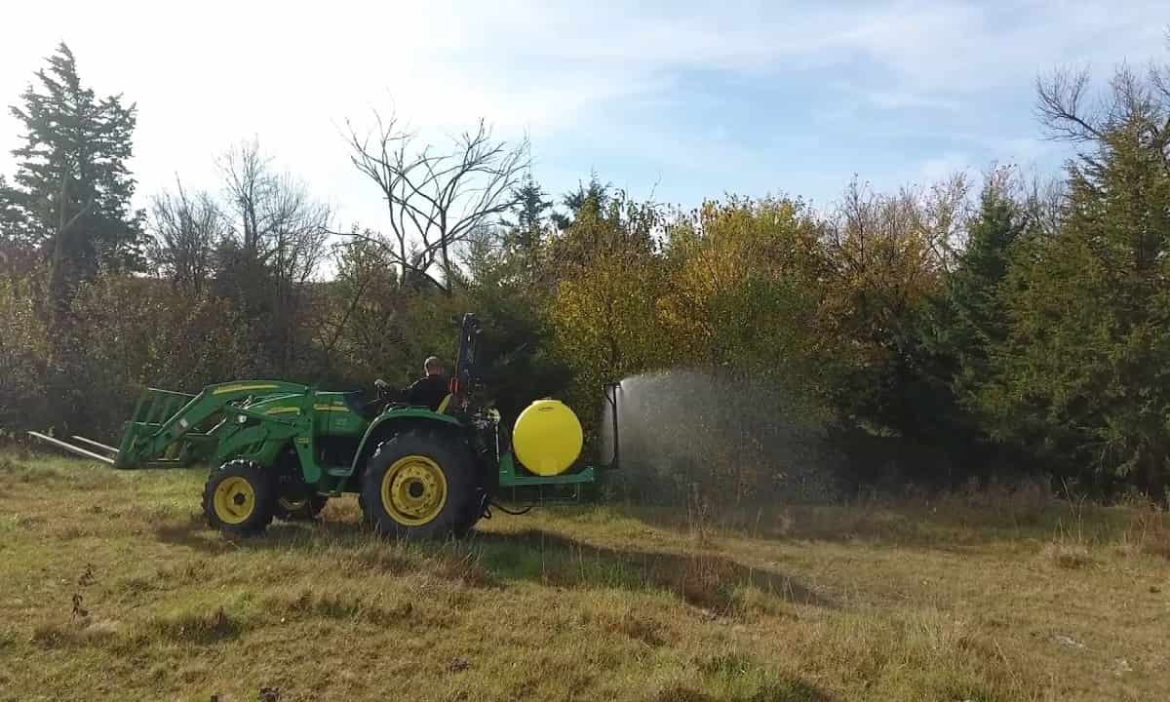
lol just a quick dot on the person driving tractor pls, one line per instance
(428, 391)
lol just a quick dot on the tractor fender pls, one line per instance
(392, 422)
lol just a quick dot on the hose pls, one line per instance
(505, 510)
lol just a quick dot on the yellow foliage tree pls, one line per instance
(743, 293)
(603, 313)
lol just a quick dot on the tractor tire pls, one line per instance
(304, 509)
(421, 485)
(239, 498)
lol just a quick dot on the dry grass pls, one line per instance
(114, 589)
(1069, 555)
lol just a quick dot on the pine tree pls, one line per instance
(72, 189)
(587, 198)
(975, 318)
(531, 212)
(1084, 374)
(10, 219)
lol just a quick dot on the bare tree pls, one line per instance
(1063, 107)
(277, 238)
(1141, 106)
(1045, 198)
(888, 250)
(186, 230)
(942, 216)
(436, 200)
(272, 217)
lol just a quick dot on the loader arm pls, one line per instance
(170, 427)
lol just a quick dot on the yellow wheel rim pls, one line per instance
(414, 490)
(235, 500)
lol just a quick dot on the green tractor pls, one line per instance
(281, 450)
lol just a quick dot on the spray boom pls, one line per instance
(612, 390)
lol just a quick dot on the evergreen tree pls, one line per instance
(72, 189)
(527, 230)
(1084, 373)
(974, 318)
(509, 287)
(591, 198)
(944, 345)
(10, 219)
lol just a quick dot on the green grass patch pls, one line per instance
(115, 589)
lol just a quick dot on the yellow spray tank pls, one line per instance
(547, 438)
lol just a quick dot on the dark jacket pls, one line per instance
(427, 392)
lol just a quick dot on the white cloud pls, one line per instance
(940, 167)
(207, 74)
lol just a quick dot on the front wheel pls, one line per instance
(421, 485)
(238, 498)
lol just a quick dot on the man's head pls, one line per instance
(433, 366)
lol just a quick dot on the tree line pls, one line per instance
(937, 334)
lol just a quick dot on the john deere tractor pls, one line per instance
(281, 450)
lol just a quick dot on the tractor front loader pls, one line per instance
(281, 450)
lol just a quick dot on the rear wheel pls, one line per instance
(421, 485)
(238, 498)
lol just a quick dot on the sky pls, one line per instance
(678, 101)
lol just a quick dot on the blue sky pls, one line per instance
(683, 99)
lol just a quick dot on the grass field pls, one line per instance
(112, 588)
